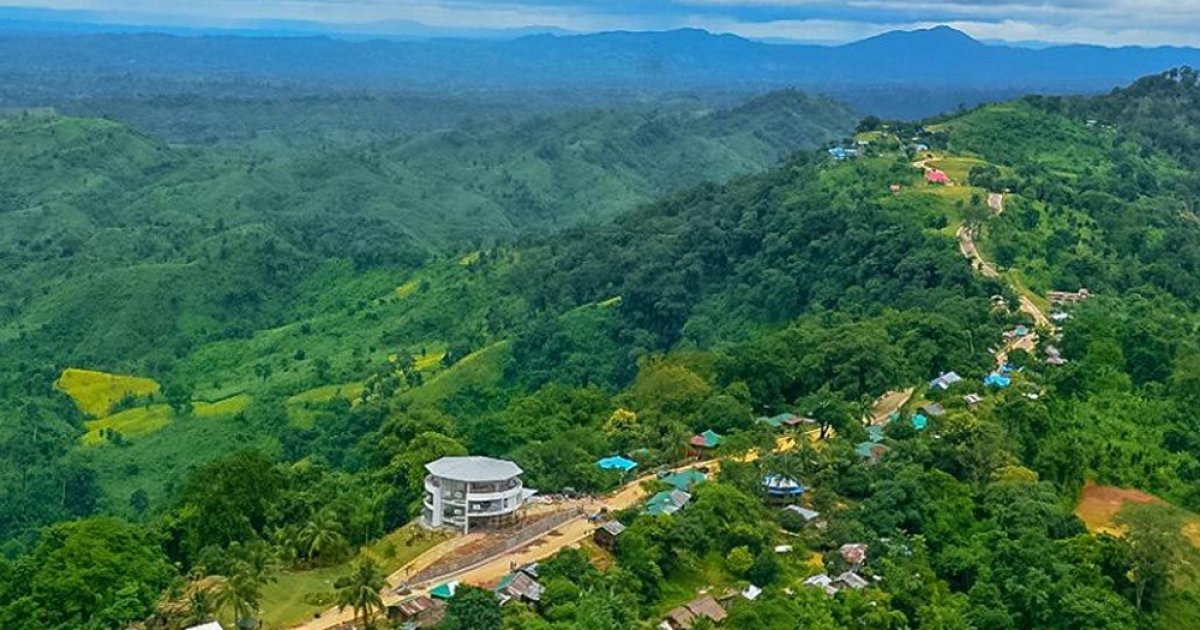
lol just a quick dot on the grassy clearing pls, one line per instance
(957, 167)
(1099, 505)
(298, 407)
(1098, 508)
(484, 368)
(130, 423)
(431, 360)
(408, 288)
(96, 393)
(297, 595)
(708, 573)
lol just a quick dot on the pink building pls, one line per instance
(934, 176)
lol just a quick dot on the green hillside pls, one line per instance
(294, 381)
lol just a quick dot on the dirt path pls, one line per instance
(889, 403)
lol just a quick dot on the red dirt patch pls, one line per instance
(1099, 505)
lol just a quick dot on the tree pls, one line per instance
(739, 560)
(1154, 538)
(473, 609)
(81, 571)
(239, 594)
(179, 398)
(139, 502)
(322, 537)
(360, 590)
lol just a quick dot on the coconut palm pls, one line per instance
(322, 537)
(359, 591)
(239, 594)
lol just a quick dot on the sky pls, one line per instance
(1106, 22)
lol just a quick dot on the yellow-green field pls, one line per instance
(95, 393)
(227, 407)
(130, 422)
(298, 406)
(408, 288)
(430, 360)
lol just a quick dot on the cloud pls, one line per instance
(1150, 22)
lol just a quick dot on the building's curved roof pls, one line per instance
(473, 469)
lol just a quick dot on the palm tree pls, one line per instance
(359, 591)
(322, 536)
(239, 596)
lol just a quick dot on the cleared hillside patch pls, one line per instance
(227, 407)
(129, 423)
(96, 393)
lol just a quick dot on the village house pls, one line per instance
(782, 489)
(935, 176)
(685, 480)
(933, 410)
(703, 444)
(1068, 297)
(419, 611)
(666, 502)
(606, 535)
(212, 625)
(823, 582)
(1054, 356)
(854, 554)
(842, 153)
(852, 580)
(684, 617)
(519, 586)
(805, 513)
(973, 399)
(945, 380)
(871, 452)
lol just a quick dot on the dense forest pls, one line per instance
(226, 366)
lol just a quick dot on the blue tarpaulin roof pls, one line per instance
(996, 380)
(919, 422)
(616, 462)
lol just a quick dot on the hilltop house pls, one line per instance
(842, 153)
(936, 176)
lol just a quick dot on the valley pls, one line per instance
(826, 371)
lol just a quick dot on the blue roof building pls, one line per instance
(616, 462)
(997, 380)
(919, 422)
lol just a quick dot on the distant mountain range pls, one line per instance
(912, 73)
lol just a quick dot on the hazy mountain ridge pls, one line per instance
(941, 59)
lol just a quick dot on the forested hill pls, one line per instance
(232, 404)
(104, 225)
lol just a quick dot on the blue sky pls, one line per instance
(1109, 22)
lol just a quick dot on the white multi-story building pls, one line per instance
(465, 492)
